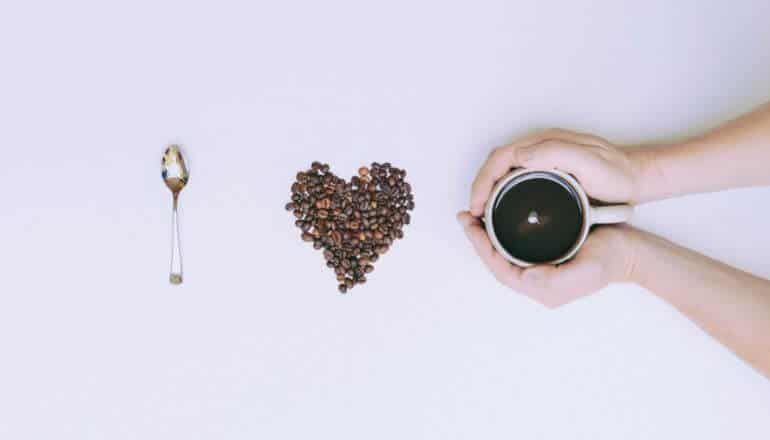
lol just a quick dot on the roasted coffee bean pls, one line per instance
(342, 288)
(352, 222)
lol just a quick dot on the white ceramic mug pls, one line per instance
(592, 215)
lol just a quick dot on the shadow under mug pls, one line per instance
(591, 215)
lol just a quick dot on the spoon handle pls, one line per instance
(175, 276)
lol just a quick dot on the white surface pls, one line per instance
(257, 344)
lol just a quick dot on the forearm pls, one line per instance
(731, 305)
(734, 155)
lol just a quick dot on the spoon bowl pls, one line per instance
(174, 169)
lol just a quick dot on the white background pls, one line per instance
(95, 344)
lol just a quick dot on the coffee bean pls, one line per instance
(352, 222)
(343, 288)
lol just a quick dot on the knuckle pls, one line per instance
(498, 153)
(550, 304)
(554, 131)
(547, 301)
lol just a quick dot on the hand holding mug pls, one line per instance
(603, 171)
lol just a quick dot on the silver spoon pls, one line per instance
(175, 175)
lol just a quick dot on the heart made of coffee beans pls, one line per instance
(354, 222)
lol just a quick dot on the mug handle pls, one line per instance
(601, 215)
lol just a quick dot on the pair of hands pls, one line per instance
(605, 172)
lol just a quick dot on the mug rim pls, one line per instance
(585, 206)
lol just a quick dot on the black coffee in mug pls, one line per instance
(538, 217)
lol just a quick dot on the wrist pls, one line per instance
(645, 165)
(625, 258)
(621, 252)
(645, 250)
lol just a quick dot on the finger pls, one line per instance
(577, 137)
(502, 159)
(585, 162)
(504, 272)
(554, 286)
(499, 162)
